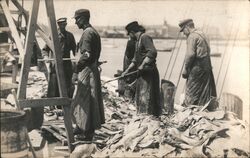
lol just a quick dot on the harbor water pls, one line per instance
(235, 81)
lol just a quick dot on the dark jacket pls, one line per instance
(90, 42)
(198, 52)
(67, 44)
(145, 48)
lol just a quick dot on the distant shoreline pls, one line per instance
(173, 38)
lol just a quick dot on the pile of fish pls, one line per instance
(189, 132)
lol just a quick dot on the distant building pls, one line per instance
(164, 31)
(113, 32)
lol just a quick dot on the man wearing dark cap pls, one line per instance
(147, 89)
(126, 86)
(67, 45)
(200, 85)
(87, 104)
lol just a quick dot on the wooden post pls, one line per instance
(30, 39)
(59, 71)
(21, 93)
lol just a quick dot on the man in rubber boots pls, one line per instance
(200, 85)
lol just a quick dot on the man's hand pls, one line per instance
(128, 69)
(74, 78)
(184, 74)
(124, 73)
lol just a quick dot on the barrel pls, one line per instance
(167, 95)
(13, 134)
(233, 103)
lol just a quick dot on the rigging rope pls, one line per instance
(178, 36)
(175, 60)
(223, 83)
(224, 54)
(178, 50)
(172, 53)
(179, 77)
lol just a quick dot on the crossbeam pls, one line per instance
(4, 29)
(41, 102)
(59, 69)
(29, 43)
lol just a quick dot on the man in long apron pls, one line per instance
(87, 104)
(200, 85)
(147, 89)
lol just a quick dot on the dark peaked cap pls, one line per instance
(133, 26)
(81, 12)
(183, 23)
(61, 20)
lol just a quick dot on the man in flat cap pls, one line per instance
(200, 85)
(87, 104)
(67, 45)
(147, 95)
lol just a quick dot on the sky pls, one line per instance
(223, 14)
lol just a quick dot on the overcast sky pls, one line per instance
(222, 14)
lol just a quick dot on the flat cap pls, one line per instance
(82, 12)
(62, 20)
(184, 22)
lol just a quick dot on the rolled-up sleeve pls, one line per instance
(149, 47)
